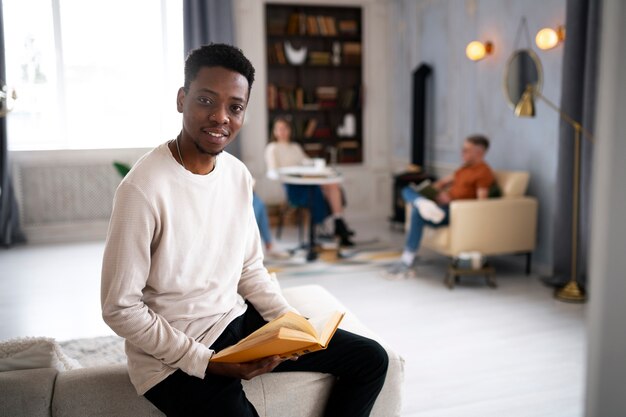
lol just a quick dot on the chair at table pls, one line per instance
(286, 209)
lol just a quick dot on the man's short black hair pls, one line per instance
(217, 55)
(479, 140)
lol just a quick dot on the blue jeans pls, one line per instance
(260, 212)
(414, 237)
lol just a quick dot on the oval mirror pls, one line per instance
(522, 69)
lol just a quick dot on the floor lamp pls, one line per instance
(571, 292)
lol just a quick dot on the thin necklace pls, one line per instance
(179, 155)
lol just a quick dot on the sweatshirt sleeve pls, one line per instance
(125, 270)
(304, 159)
(255, 284)
(270, 157)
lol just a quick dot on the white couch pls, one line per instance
(107, 391)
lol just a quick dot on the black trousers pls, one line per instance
(358, 363)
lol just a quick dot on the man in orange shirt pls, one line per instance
(471, 181)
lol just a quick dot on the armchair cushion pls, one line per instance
(512, 183)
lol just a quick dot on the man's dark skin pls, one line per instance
(213, 110)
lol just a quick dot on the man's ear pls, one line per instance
(180, 98)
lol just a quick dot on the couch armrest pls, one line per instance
(99, 391)
(27, 393)
(493, 226)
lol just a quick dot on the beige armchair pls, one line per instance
(497, 226)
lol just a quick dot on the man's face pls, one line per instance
(471, 153)
(213, 108)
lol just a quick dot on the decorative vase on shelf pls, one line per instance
(336, 58)
(295, 56)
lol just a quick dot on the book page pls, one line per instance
(325, 326)
(268, 344)
(283, 336)
(288, 320)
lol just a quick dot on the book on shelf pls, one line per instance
(275, 26)
(348, 27)
(321, 24)
(296, 25)
(287, 336)
(312, 27)
(327, 104)
(309, 129)
(311, 106)
(349, 151)
(322, 132)
(350, 98)
(319, 58)
(351, 53)
(280, 53)
(272, 96)
(326, 92)
(286, 98)
(331, 25)
(299, 98)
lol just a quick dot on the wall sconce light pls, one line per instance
(476, 50)
(548, 38)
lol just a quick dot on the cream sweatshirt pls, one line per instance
(182, 253)
(280, 155)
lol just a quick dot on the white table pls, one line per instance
(309, 176)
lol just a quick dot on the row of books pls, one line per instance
(313, 128)
(351, 55)
(314, 25)
(347, 151)
(288, 98)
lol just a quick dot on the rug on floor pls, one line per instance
(364, 256)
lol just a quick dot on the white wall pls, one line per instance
(469, 96)
(368, 185)
(606, 370)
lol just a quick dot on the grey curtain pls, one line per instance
(578, 99)
(10, 232)
(209, 21)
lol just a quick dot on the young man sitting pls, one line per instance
(471, 181)
(183, 274)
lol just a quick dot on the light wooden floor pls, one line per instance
(472, 351)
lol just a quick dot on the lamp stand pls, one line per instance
(571, 292)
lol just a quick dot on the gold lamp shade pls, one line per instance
(526, 105)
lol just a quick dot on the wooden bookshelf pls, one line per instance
(320, 89)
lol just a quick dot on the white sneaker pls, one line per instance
(429, 210)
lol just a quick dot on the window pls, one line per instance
(93, 74)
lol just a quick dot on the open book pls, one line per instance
(426, 189)
(288, 335)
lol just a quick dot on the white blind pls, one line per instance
(93, 74)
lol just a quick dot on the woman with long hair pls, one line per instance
(327, 198)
